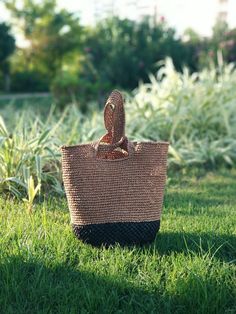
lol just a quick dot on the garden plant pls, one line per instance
(190, 268)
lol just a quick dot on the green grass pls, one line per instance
(189, 269)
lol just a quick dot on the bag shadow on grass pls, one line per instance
(34, 287)
(28, 287)
(222, 247)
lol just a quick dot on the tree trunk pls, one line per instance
(7, 82)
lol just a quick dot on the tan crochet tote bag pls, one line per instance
(115, 187)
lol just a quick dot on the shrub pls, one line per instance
(195, 112)
(65, 88)
(29, 81)
(122, 52)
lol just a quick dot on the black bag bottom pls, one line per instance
(124, 233)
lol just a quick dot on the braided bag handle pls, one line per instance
(114, 120)
(114, 116)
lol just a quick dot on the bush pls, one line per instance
(65, 88)
(196, 113)
(68, 88)
(29, 81)
(228, 46)
(122, 52)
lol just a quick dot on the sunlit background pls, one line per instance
(174, 61)
(200, 15)
(45, 38)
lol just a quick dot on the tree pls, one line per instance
(52, 35)
(122, 52)
(7, 47)
(191, 35)
(219, 30)
(195, 49)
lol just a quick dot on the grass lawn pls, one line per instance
(189, 269)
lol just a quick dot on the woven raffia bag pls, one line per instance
(115, 187)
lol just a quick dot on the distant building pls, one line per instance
(223, 13)
(226, 11)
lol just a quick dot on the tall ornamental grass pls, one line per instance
(196, 113)
(30, 148)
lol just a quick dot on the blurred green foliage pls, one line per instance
(83, 63)
(65, 87)
(29, 81)
(7, 47)
(122, 51)
(195, 112)
(52, 40)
